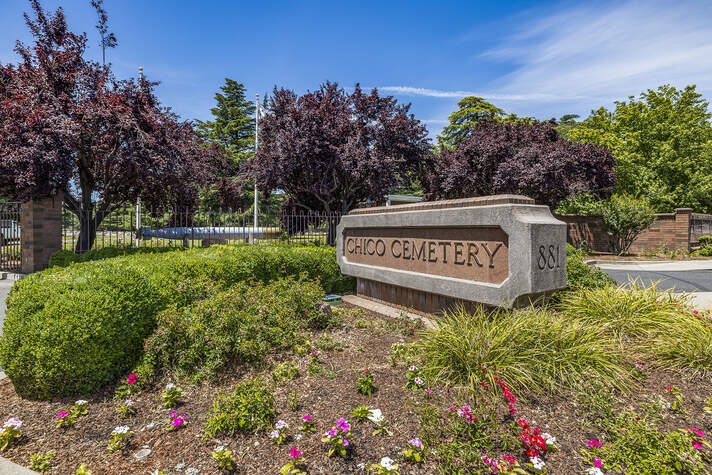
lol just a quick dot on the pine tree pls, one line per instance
(234, 123)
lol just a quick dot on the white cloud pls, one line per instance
(610, 51)
(419, 91)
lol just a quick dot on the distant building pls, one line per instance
(392, 200)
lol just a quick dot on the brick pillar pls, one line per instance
(41, 221)
(682, 227)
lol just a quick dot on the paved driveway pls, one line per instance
(682, 281)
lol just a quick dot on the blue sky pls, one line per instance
(543, 59)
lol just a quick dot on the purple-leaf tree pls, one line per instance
(532, 160)
(68, 125)
(329, 150)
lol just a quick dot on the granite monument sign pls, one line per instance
(498, 250)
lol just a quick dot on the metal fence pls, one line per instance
(10, 233)
(700, 225)
(137, 226)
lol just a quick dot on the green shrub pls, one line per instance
(76, 331)
(537, 350)
(705, 252)
(64, 258)
(624, 218)
(249, 408)
(239, 326)
(584, 203)
(580, 275)
(704, 241)
(285, 371)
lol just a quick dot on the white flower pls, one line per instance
(387, 463)
(361, 466)
(81, 402)
(274, 434)
(129, 402)
(418, 381)
(594, 471)
(170, 386)
(412, 368)
(120, 430)
(281, 425)
(550, 439)
(537, 462)
(219, 448)
(376, 416)
(13, 422)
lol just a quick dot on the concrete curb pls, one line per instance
(384, 309)
(11, 276)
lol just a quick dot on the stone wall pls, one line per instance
(671, 230)
(41, 221)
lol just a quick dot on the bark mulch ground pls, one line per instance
(327, 397)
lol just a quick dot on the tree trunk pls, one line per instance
(87, 232)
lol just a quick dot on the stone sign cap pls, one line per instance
(493, 250)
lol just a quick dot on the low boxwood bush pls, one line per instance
(237, 327)
(58, 320)
(64, 258)
(76, 331)
(249, 408)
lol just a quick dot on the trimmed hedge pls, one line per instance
(71, 330)
(240, 326)
(64, 258)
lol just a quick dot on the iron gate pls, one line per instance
(10, 233)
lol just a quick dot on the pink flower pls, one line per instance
(668, 388)
(307, 418)
(294, 452)
(509, 458)
(428, 391)
(597, 463)
(62, 414)
(333, 432)
(132, 378)
(594, 443)
(697, 445)
(696, 431)
(177, 422)
(345, 442)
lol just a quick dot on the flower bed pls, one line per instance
(317, 421)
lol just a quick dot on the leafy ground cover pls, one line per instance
(299, 402)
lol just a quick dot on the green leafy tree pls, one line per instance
(662, 143)
(566, 123)
(234, 123)
(624, 218)
(471, 110)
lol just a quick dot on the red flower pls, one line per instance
(532, 452)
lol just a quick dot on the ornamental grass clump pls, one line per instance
(648, 322)
(625, 313)
(539, 351)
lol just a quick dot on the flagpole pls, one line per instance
(257, 120)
